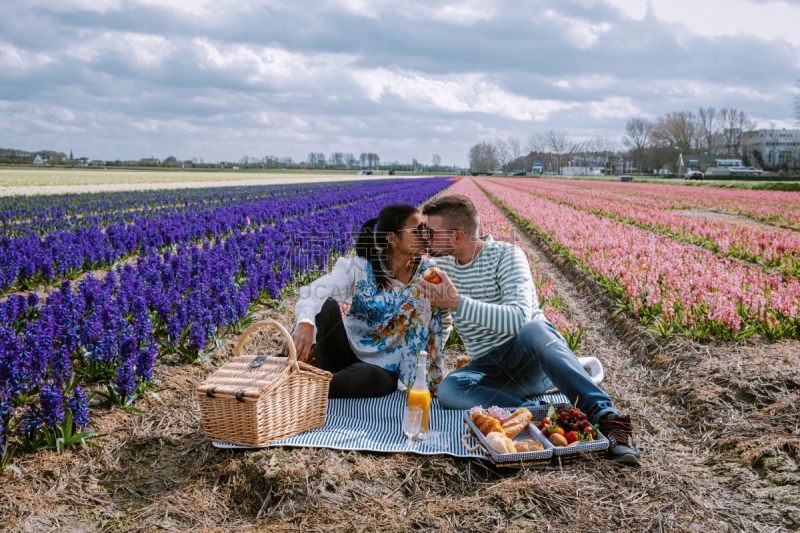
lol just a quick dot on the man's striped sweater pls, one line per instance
(497, 295)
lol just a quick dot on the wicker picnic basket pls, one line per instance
(256, 399)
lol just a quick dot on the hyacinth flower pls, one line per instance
(6, 412)
(72, 428)
(198, 293)
(52, 424)
(133, 376)
(85, 243)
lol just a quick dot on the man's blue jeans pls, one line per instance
(534, 362)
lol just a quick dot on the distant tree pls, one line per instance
(558, 144)
(535, 143)
(436, 160)
(483, 157)
(363, 158)
(709, 125)
(503, 154)
(321, 161)
(677, 129)
(515, 151)
(170, 161)
(637, 136)
(734, 125)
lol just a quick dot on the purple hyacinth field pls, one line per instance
(178, 271)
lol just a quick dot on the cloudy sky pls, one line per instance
(219, 79)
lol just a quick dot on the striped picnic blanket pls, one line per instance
(375, 424)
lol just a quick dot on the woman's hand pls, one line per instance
(303, 337)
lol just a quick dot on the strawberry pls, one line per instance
(550, 428)
(571, 437)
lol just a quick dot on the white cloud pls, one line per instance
(582, 33)
(767, 20)
(472, 93)
(614, 107)
(271, 65)
(465, 13)
(130, 46)
(14, 59)
(97, 6)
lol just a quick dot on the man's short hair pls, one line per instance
(457, 212)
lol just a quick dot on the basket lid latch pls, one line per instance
(258, 361)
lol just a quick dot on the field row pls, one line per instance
(43, 214)
(179, 301)
(767, 206)
(681, 288)
(28, 261)
(771, 247)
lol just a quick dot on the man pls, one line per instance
(516, 353)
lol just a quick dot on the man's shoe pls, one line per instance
(621, 448)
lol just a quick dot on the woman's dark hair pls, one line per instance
(372, 244)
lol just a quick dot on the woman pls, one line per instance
(375, 345)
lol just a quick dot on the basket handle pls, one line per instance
(292, 358)
(468, 435)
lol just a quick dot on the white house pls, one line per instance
(719, 164)
(772, 146)
(38, 160)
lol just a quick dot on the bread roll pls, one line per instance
(487, 424)
(516, 422)
(500, 443)
(529, 446)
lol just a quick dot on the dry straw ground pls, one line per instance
(717, 424)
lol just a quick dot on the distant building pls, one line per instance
(746, 171)
(704, 162)
(10, 152)
(150, 161)
(38, 160)
(772, 147)
(81, 162)
(97, 163)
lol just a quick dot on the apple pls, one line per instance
(431, 275)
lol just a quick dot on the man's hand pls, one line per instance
(303, 337)
(443, 295)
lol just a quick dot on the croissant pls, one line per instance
(500, 443)
(516, 422)
(529, 446)
(487, 424)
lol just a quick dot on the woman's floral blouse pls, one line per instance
(387, 328)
